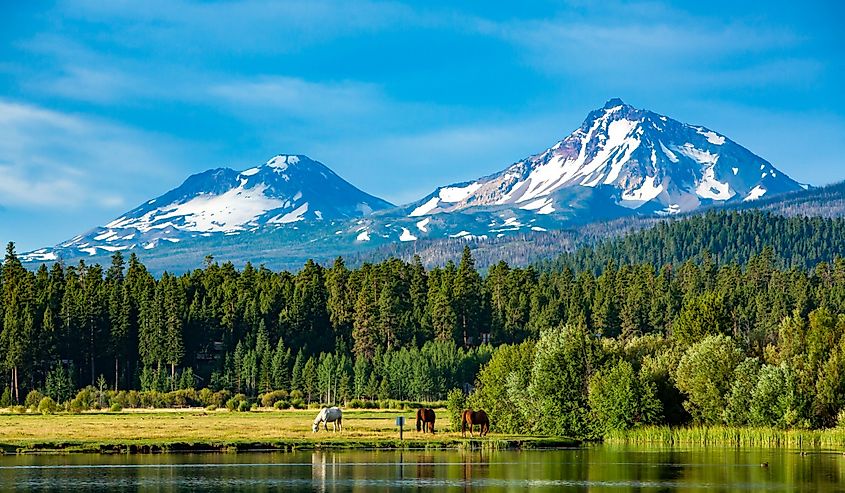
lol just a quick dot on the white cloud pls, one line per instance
(644, 45)
(251, 26)
(290, 96)
(54, 159)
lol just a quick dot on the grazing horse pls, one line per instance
(472, 418)
(425, 420)
(329, 415)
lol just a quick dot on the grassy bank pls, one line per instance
(200, 430)
(731, 436)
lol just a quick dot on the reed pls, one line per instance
(731, 436)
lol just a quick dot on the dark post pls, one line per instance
(400, 422)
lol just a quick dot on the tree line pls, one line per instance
(726, 236)
(397, 330)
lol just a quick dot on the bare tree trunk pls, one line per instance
(17, 389)
(116, 373)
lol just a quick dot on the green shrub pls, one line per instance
(220, 397)
(182, 398)
(296, 394)
(211, 407)
(204, 396)
(270, 398)
(47, 406)
(76, 406)
(86, 399)
(151, 399)
(6, 397)
(116, 407)
(297, 403)
(281, 404)
(243, 406)
(133, 399)
(19, 409)
(233, 404)
(121, 398)
(356, 404)
(33, 398)
(455, 404)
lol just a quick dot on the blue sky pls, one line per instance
(106, 104)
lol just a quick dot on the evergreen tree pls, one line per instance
(296, 382)
(468, 298)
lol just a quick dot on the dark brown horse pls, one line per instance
(425, 420)
(472, 418)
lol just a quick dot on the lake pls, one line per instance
(593, 468)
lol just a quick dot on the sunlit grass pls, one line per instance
(221, 429)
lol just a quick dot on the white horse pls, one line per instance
(329, 415)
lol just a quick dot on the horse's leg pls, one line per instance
(326, 425)
(463, 428)
(340, 424)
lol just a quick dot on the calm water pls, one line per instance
(594, 468)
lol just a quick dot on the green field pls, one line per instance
(221, 430)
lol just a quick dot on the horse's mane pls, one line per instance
(321, 415)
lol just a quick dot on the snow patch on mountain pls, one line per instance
(421, 225)
(426, 207)
(290, 217)
(711, 136)
(646, 192)
(755, 194)
(406, 235)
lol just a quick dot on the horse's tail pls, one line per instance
(419, 420)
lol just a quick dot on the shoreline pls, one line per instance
(210, 446)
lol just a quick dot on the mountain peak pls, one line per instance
(631, 159)
(282, 161)
(613, 102)
(286, 190)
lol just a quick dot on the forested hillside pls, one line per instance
(724, 237)
(540, 247)
(685, 339)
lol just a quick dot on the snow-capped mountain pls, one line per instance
(621, 161)
(639, 159)
(286, 190)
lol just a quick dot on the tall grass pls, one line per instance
(731, 436)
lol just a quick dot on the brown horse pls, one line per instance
(425, 420)
(472, 418)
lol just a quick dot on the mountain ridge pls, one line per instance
(620, 162)
(645, 156)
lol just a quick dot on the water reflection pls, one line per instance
(594, 468)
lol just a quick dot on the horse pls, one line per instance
(425, 420)
(329, 415)
(472, 418)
